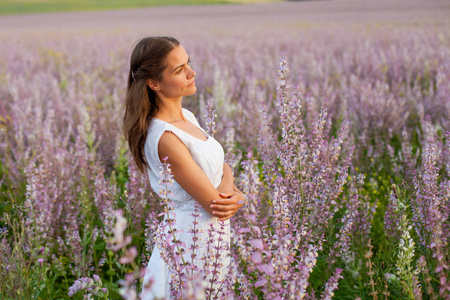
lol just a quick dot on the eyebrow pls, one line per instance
(181, 65)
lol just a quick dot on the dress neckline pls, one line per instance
(201, 129)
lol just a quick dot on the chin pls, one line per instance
(194, 89)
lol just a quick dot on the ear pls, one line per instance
(153, 84)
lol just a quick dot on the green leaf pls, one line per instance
(100, 246)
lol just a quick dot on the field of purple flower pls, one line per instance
(337, 126)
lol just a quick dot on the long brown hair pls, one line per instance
(148, 61)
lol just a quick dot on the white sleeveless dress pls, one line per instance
(209, 155)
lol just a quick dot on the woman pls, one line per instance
(156, 126)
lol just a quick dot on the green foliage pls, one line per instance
(28, 275)
(119, 176)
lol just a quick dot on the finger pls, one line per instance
(227, 201)
(226, 194)
(226, 218)
(232, 194)
(221, 214)
(224, 207)
(237, 198)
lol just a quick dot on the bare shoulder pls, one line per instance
(171, 146)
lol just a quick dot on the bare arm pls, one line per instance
(227, 183)
(187, 173)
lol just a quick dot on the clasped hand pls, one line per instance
(230, 202)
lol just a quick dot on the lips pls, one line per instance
(192, 83)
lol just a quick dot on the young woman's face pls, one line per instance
(178, 77)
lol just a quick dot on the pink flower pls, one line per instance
(129, 256)
(256, 257)
(257, 243)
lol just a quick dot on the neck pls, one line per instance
(170, 110)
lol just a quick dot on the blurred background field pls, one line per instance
(33, 6)
(351, 163)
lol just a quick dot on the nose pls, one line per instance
(191, 73)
